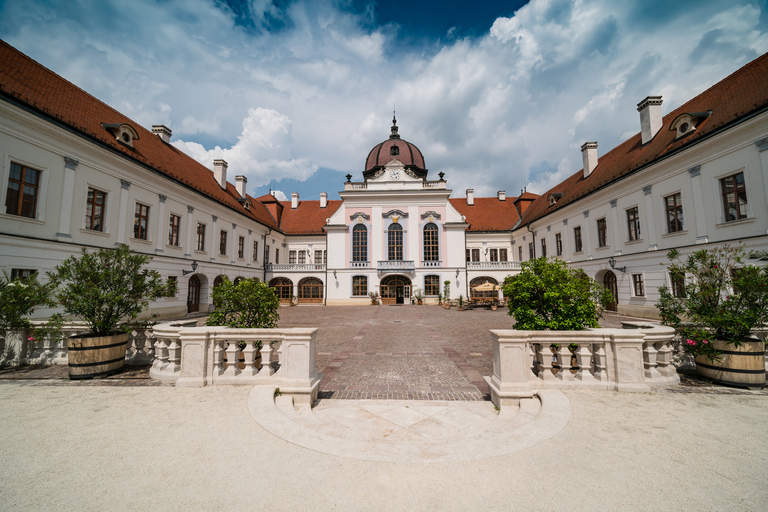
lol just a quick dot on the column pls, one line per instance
(650, 225)
(762, 147)
(123, 218)
(213, 247)
(586, 239)
(67, 192)
(698, 205)
(235, 238)
(567, 249)
(160, 220)
(249, 249)
(191, 224)
(616, 233)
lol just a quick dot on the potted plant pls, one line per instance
(418, 295)
(447, 294)
(293, 300)
(439, 298)
(108, 290)
(719, 299)
(374, 298)
(461, 302)
(18, 299)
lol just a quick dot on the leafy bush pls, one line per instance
(19, 298)
(247, 304)
(107, 289)
(548, 294)
(723, 298)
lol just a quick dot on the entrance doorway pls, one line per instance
(310, 291)
(283, 289)
(193, 294)
(609, 281)
(395, 290)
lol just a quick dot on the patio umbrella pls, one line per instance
(487, 287)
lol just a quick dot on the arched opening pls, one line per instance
(283, 288)
(483, 288)
(609, 281)
(218, 281)
(395, 290)
(310, 291)
(193, 294)
(237, 280)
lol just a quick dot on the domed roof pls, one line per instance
(398, 149)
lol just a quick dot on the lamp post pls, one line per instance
(612, 263)
(194, 268)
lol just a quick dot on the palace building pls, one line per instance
(77, 173)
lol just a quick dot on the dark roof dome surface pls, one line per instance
(403, 151)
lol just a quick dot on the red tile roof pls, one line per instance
(735, 98)
(26, 82)
(488, 213)
(308, 218)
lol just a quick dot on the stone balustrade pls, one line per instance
(201, 356)
(493, 265)
(636, 359)
(295, 267)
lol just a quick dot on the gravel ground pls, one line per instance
(163, 448)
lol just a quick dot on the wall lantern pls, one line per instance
(194, 267)
(334, 274)
(457, 273)
(612, 263)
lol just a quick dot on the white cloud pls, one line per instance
(280, 195)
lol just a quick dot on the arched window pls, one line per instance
(360, 243)
(431, 249)
(283, 288)
(310, 290)
(395, 242)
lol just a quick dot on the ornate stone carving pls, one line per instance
(70, 163)
(586, 213)
(359, 215)
(647, 189)
(431, 214)
(694, 171)
(412, 174)
(190, 209)
(162, 198)
(125, 184)
(762, 144)
(390, 213)
(378, 174)
(614, 202)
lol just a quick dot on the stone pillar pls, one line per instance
(191, 243)
(161, 235)
(616, 233)
(650, 225)
(628, 362)
(297, 375)
(195, 358)
(512, 377)
(67, 192)
(235, 239)
(214, 249)
(698, 205)
(123, 218)
(586, 240)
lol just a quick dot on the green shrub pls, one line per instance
(548, 294)
(247, 304)
(19, 298)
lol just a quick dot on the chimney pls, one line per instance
(294, 200)
(589, 157)
(470, 196)
(502, 195)
(650, 117)
(323, 199)
(240, 182)
(163, 132)
(220, 172)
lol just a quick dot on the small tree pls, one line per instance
(19, 298)
(107, 289)
(447, 291)
(247, 304)
(548, 294)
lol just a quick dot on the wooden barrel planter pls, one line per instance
(742, 366)
(96, 357)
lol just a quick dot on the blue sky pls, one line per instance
(293, 94)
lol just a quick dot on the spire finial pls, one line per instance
(394, 134)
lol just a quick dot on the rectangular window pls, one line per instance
(302, 257)
(530, 250)
(543, 247)
(21, 197)
(494, 255)
(633, 224)
(359, 285)
(223, 242)
(255, 251)
(318, 257)
(292, 257)
(558, 244)
(467, 252)
(325, 257)
(241, 247)
(674, 207)
(431, 285)
(577, 239)
(678, 284)
(734, 197)
(602, 233)
(277, 255)
(637, 284)
(22, 273)
(266, 254)
(503, 255)
(200, 237)
(173, 230)
(141, 221)
(94, 209)
(520, 253)
(475, 254)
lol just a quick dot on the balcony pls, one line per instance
(359, 264)
(295, 267)
(493, 265)
(396, 266)
(431, 264)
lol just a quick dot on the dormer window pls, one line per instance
(246, 202)
(687, 122)
(554, 197)
(123, 132)
(394, 151)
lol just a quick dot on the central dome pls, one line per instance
(398, 149)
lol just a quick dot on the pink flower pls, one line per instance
(31, 338)
(690, 342)
(705, 341)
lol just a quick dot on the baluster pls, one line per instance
(150, 346)
(249, 354)
(584, 360)
(532, 355)
(218, 356)
(664, 359)
(232, 352)
(161, 354)
(537, 359)
(266, 359)
(564, 355)
(174, 356)
(649, 360)
(545, 368)
(600, 362)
